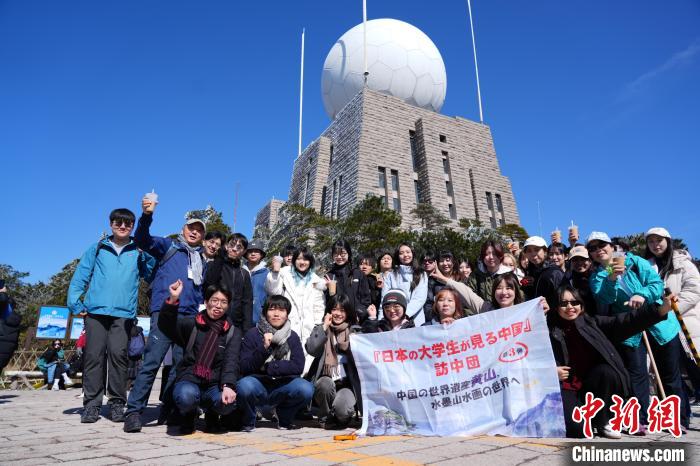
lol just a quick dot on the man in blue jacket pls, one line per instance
(109, 271)
(258, 274)
(178, 259)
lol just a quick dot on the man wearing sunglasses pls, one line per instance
(105, 288)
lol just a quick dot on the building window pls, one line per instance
(417, 189)
(397, 204)
(443, 138)
(493, 223)
(306, 188)
(381, 180)
(394, 180)
(334, 197)
(331, 156)
(448, 187)
(501, 222)
(340, 187)
(383, 198)
(499, 204)
(323, 200)
(453, 212)
(489, 201)
(414, 149)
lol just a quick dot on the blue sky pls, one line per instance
(593, 108)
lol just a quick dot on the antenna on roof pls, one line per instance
(476, 65)
(301, 87)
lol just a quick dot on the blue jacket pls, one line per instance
(401, 279)
(254, 355)
(257, 279)
(640, 279)
(167, 273)
(113, 286)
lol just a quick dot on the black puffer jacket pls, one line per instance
(600, 332)
(9, 335)
(233, 276)
(543, 280)
(353, 283)
(225, 367)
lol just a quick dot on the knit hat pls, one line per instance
(395, 296)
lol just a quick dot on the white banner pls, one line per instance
(492, 373)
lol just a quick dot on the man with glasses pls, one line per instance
(178, 259)
(212, 245)
(105, 288)
(228, 272)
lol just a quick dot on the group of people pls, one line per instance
(252, 340)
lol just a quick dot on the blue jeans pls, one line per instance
(287, 396)
(156, 347)
(188, 396)
(51, 370)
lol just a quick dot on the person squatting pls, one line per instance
(251, 339)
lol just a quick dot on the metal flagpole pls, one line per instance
(476, 65)
(301, 87)
(364, 39)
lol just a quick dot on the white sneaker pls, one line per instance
(608, 432)
(55, 387)
(68, 382)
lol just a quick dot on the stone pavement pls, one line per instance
(43, 427)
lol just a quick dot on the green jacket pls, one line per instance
(640, 279)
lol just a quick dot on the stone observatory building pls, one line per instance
(388, 138)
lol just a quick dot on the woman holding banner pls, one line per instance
(586, 358)
(334, 375)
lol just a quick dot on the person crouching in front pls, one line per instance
(208, 372)
(272, 360)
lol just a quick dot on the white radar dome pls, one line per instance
(402, 61)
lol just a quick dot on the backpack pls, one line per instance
(172, 250)
(41, 364)
(137, 343)
(75, 364)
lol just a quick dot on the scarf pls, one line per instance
(195, 260)
(304, 279)
(205, 356)
(337, 338)
(279, 346)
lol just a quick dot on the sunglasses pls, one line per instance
(126, 223)
(564, 304)
(596, 247)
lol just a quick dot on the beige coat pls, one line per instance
(684, 282)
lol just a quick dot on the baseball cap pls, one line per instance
(535, 241)
(395, 296)
(658, 231)
(598, 236)
(578, 251)
(196, 220)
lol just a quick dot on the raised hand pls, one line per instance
(175, 290)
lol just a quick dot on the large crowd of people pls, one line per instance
(251, 339)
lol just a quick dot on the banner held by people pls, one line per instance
(492, 373)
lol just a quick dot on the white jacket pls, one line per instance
(684, 282)
(308, 302)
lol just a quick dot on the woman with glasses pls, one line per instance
(342, 278)
(626, 282)
(208, 371)
(409, 277)
(586, 358)
(394, 315)
(488, 267)
(304, 289)
(226, 271)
